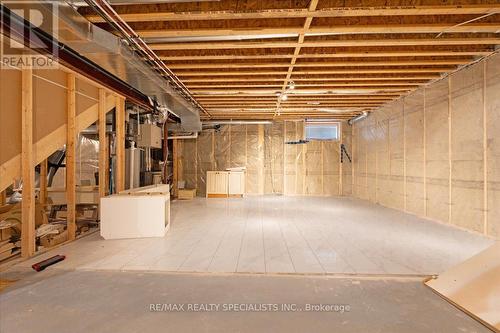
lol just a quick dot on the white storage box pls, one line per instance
(137, 213)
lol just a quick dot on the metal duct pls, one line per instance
(109, 52)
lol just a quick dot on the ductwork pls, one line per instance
(113, 55)
(358, 118)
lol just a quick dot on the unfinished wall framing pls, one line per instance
(42, 110)
(273, 167)
(436, 152)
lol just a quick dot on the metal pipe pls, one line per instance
(237, 122)
(181, 137)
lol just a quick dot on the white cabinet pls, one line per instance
(221, 184)
(236, 183)
(217, 184)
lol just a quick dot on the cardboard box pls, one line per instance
(186, 194)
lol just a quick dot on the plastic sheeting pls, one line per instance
(86, 163)
(427, 152)
(272, 167)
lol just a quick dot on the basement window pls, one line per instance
(325, 131)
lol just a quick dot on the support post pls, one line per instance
(175, 170)
(120, 144)
(102, 143)
(43, 181)
(70, 158)
(28, 168)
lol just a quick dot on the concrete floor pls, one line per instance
(274, 234)
(103, 301)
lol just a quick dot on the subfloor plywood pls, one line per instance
(474, 285)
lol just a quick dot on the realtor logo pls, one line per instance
(23, 23)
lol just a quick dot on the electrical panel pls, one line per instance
(149, 136)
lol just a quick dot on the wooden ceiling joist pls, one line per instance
(310, 79)
(300, 86)
(327, 43)
(360, 54)
(334, 30)
(323, 64)
(237, 59)
(154, 16)
(314, 72)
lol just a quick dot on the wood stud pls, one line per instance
(28, 167)
(70, 158)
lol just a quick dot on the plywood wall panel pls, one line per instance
(492, 107)
(49, 113)
(437, 151)
(10, 114)
(467, 148)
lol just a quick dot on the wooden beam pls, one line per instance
(341, 54)
(306, 109)
(70, 158)
(103, 172)
(337, 30)
(28, 166)
(320, 72)
(298, 97)
(325, 79)
(152, 16)
(43, 182)
(299, 86)
(305, 90)
(323, 64)
(327, 43)
(120, 144)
